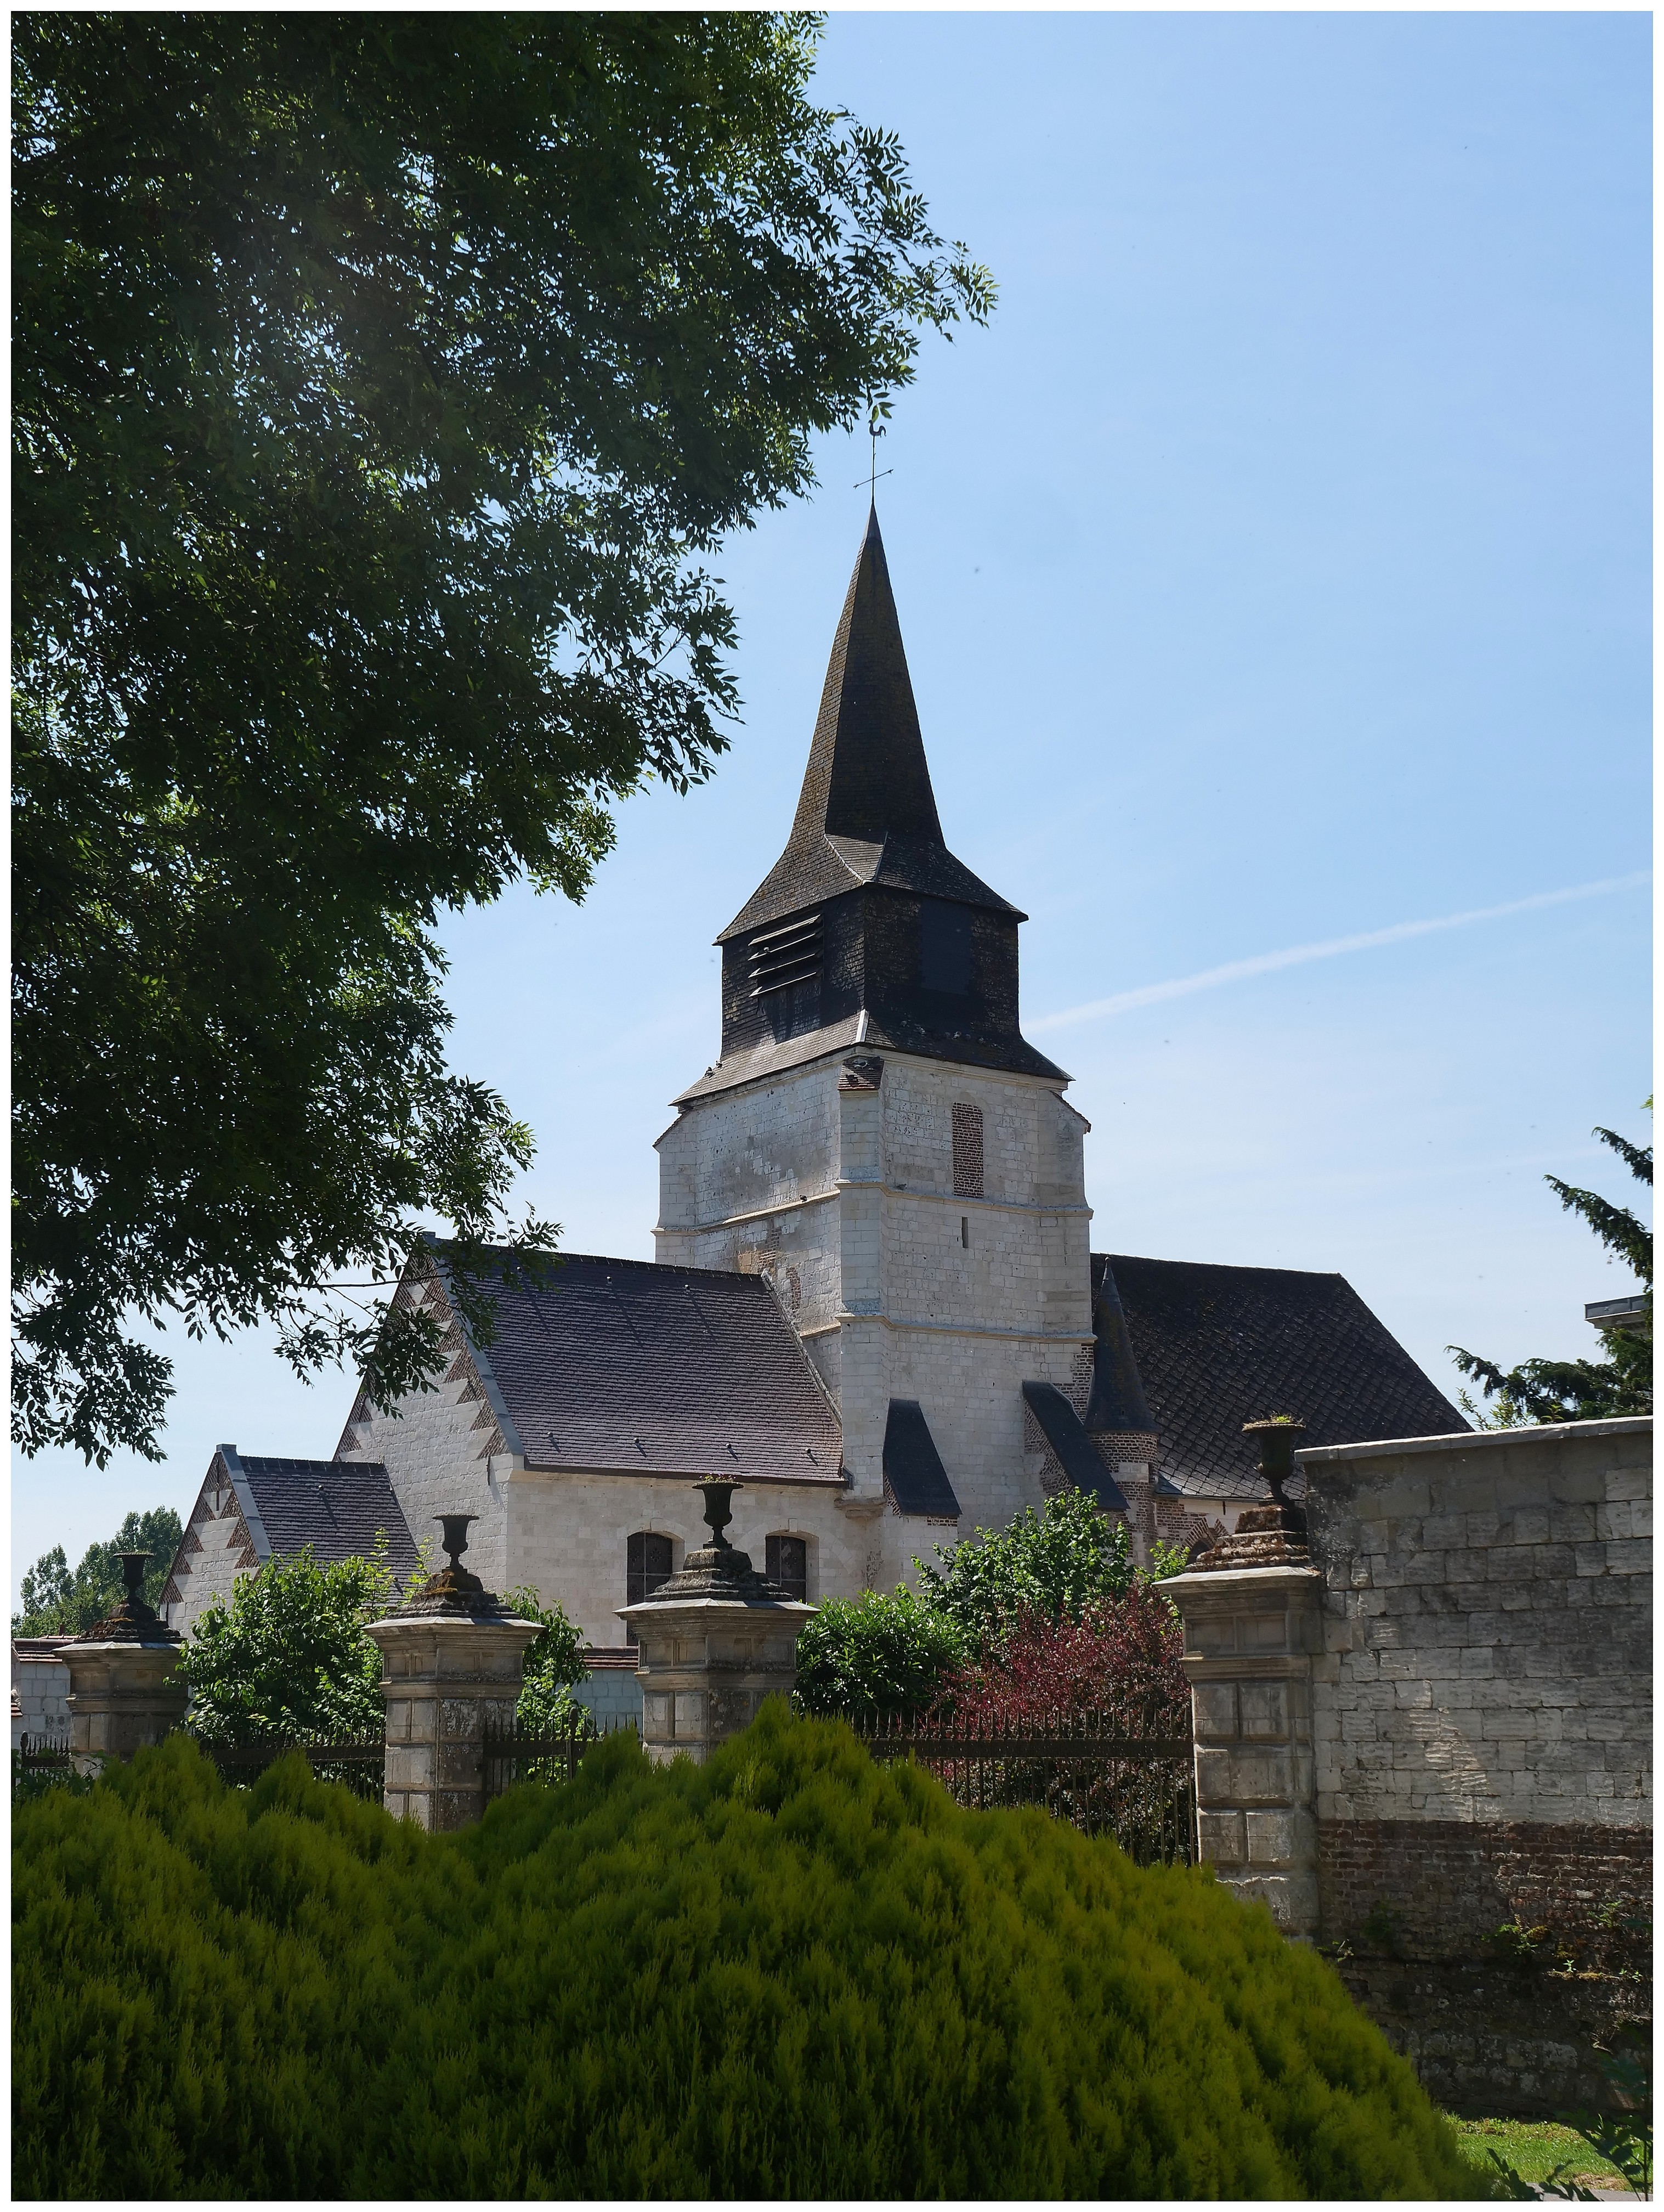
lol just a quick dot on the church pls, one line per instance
(874, 1301)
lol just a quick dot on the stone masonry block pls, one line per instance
(1215, 1706)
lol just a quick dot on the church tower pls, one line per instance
(878, 1139)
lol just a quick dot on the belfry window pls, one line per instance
(788, 1567)
(790, 954)
(945, 946)
(967, 1150)
(647, 1563)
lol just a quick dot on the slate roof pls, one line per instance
(1061, 1427)
(633, 1368)
(1217, 1347)
(913, 1473)
(867, 813)
(334, 1505)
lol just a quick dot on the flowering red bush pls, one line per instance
(1118, 1668)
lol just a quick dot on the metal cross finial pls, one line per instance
(875, 431)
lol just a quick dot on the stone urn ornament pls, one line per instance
(1272, 1536)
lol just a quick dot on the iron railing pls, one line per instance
(359, 1764)
(37, 1762)
(1106, 1778)
(514, 1754)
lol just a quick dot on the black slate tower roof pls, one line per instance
(867, 930)
(1216, 1346)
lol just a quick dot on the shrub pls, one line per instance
(787, 1973)
(1119, 1668)
(289, 1658)
(552, 1664)
(1055, 1564)
(875, 1653)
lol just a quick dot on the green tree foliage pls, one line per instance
(1539, 1390)
(289, 1656)
(877, 1654)
(57, 1602)
(1051, 1565)
(552, 1665)
(788, 1973)
(381, 384)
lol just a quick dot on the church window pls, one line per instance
(790, 954)
(647, 1563)
(967, 1152)
(964, 1232)
(945, 946)
(788, 1566)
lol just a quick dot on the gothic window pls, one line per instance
(788, 1566)
(944, 947)
(967, 1152)
(647, 1563)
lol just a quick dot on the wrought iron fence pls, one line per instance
(37, 1762)
(1101, 1777)
(358, 1765)
(513, 1754)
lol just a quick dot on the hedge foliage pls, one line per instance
(787, 1973)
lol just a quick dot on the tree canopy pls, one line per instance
(1583, 1389)
(58, 1603)
(382, 387)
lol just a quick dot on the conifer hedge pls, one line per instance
(788, 1973)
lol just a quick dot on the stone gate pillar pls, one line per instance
(1251, 1608)
(451, 1660)
(714, 1641)
(124, 1687)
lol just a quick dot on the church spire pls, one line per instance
(867, 813)
(867, 775)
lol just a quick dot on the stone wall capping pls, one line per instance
(1318, 1457)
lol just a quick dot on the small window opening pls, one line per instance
(964, 1230)
(788, 1567)
(967, 1152)
(647, 1563)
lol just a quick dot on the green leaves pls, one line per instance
(58, 1603)
(1582, 1389)
(875, 1653)
(381, 386)
(290, 1657)
(1053, 1566)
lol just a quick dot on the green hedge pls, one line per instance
(789, 1973)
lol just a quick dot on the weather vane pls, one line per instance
(875, 431)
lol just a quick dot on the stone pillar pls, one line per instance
(124, 1689)
(712, 1644)
(452, 1661)
(1251, 1613)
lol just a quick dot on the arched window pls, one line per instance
(788, 1567)
(647, 1563)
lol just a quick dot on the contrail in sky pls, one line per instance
(1262, 963)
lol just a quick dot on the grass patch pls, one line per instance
(1533, 2149)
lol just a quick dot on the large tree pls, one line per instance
(381, 384)
(1582, 1390)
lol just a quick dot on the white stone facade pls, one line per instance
(843, 1194)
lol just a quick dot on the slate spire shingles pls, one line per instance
(867, 813)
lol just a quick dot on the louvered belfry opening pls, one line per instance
(788, 955)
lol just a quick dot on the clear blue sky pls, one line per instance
(1273, 571)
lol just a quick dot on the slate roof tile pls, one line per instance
(334, 1505)
(1217, 1347)
(626, 1366)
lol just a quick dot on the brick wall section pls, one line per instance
(1449, 1885)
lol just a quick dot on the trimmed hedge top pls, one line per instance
(787, 1973)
